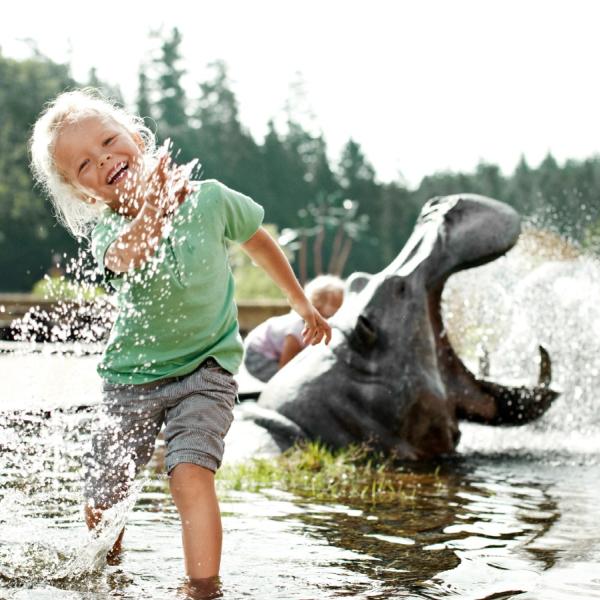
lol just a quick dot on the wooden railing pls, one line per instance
(15, 306)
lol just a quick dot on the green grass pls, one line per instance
(311, 470)
(61, 288)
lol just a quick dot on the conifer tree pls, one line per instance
(171, 104)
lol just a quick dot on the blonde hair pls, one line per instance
(67, 108)
(324, 284)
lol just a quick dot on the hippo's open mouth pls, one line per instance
(391, 374)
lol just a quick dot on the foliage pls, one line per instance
(289, 173)
(29, 235)
(312, 470)
(333, 226)
(250, 281)
(61, 288)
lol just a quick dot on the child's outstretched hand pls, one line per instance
(167, 185)
(316, 327)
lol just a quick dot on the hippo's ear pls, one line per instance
(364, 335)
(357, 282)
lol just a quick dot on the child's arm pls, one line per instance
(291, 347)
(141, 239)
(267, 254)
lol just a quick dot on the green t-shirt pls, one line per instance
(177, 309)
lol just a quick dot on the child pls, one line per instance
(277, 340)
(175, 345)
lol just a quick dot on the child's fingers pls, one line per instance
(162, 169)
(312, 335)
(182, 193)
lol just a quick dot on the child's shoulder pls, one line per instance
(108, 220)
(207, 194)
(208, 187)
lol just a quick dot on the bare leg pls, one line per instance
(93, 515)
(194, 494)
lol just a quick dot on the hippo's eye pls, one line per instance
(399, 287)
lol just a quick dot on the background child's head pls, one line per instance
(326, 292)
(66, 111)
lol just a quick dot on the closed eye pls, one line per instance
(109, 140)
(83, 164)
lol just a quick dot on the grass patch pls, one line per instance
(312, 470)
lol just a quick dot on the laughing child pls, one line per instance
(160, 240)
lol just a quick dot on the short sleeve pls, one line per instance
(242, 215)
(103, 235)
(295, 329)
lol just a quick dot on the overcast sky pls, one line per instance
(423, 86)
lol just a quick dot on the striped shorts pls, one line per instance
(197, 411)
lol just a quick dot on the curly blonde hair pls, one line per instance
(67, 108)
(324, 284)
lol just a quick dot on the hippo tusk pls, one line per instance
(520, 405)
(545, 368)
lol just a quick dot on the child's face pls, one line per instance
(327, 303)
(98, 156)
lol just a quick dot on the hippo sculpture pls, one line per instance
(389, 376)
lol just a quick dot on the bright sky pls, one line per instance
(424, 85)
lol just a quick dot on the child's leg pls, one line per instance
(193, 490)
(196, 425)
(123, 437)
(93, 516)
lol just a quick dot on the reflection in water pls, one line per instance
(514, 515)
(479, 526)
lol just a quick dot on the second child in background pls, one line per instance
(277, 340)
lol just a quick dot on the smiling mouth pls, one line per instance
(118, 172)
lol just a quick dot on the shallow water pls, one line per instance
(514, 513)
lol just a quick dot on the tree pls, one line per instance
(171, 104)
(522, 190)
(286, 188)
(333, 225)
(143, 102)
(357, 178)
(110, 91)
(225, 149)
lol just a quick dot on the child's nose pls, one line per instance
(103, 159)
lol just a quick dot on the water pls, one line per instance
(514, 514)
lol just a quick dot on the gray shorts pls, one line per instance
(260, 366)
(197, 411)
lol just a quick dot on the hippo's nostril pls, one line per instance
(364, 335)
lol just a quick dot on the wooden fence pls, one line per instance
(15, 306)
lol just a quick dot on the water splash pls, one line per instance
(42, 532)
(37, 548)
(543, 292)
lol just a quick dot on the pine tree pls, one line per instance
(171, 105)
(143, 103)
(225, 149)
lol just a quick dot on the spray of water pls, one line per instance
(543, 292)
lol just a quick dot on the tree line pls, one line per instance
(335, 217)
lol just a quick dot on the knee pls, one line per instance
(189, 482)
(191, 472)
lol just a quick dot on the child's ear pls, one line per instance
(86, 197)
(137, 138)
